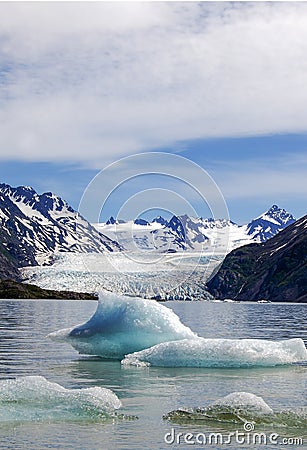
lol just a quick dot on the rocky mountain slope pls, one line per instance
(34, 227)
(275, 270)
(184, 233)
(8, 266)
(269, 224)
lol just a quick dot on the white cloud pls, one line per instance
(153, 180)
(282, 177)
(91, 82)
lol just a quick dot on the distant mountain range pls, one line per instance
(275, 270)
(33, 227)
(184, 233)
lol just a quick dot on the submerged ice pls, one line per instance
(33, 398)
(241, 407)
(201, 352)
(123, 325)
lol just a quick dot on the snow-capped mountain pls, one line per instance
(180, 233)
(184, 233)
(154, 270)
(269, 224)
(34, 227)
(160, 220)
(274, 270)
(112, 221)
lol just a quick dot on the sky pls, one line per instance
(84, 86)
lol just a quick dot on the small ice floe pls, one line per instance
(33, 398)
(201, 352)
(241, 408)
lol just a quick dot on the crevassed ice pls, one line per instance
(201, 352)
(34, 398)
(123, 325)
(174, 277)
(241, 407)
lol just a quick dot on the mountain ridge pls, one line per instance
(184, 233)
(274, 270)
(34, 226)
(269, 223)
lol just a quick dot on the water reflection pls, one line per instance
(146, 392)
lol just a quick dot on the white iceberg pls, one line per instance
(242, 401)
(33, 398)
(144, 333)
(123, 325)
(201, 352)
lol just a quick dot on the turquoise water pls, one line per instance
(148, 393)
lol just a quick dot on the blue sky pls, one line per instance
(222, 84)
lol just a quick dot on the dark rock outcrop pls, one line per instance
(275, 270)
(8, 267)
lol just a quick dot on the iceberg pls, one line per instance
(201, 352)
(143, 332)
(33, 398)
(123, 325)
(241, 408)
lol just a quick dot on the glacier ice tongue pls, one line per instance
(123, 325)
(201, 352)
(167, 276)
(33, 398)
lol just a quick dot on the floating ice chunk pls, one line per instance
(123, 325)
(243, 400)
(201, 352)
(34, 398)
(236, 407)
(241, 407)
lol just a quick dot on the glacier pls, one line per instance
(33, 398)
(241, 408)
(123, 325)
(236, 353)
(166, 277)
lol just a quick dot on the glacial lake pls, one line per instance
(149, 392)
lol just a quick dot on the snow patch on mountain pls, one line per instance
(269, 224)
(184, 233)
(44, 225)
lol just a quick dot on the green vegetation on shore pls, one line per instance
(275, 270)
(11, 287)
(14, 289)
